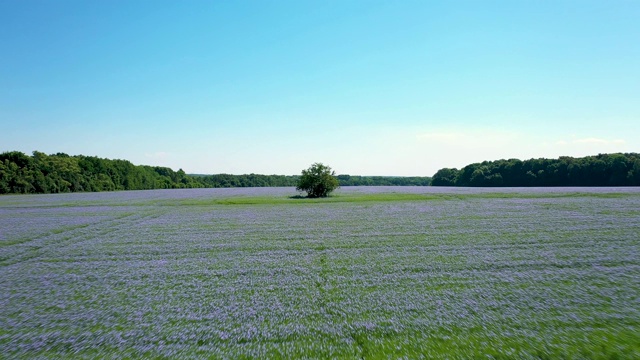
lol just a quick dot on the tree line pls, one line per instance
(349, 180)
(59, 173)
(255, 180)
(599, 170)
(248, 180)
(56, 173)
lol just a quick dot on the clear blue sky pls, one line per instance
(367, 87)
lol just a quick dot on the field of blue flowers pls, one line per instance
(368, 273)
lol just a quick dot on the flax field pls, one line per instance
(368, 273)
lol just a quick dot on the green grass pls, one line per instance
(383, 197)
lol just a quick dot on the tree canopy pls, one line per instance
(58, 173)
(356, 180)
(599, 170)
(42, 173)
(318, 181)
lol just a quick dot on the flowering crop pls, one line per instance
(460, 273)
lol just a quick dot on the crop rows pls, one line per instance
(526, 273)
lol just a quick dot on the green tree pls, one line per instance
(445, 177)
(318, 181)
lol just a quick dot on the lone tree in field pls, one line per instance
(317, 181)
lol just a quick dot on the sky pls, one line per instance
(395, 88)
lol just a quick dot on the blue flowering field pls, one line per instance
(371, 273)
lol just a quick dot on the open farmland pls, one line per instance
(367, 273)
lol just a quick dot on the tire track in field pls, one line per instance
(24, 240)
(69, 236)
(325, 290)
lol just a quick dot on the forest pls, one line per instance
(350, 180)
(600, 170)
(60, 173)
(57, 173)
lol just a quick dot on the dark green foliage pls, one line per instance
(255, 180)
(444, 177)
(348, 180)
(41, 173)
(58, 173)
(250, 180)
(600, 170)
(318, 181)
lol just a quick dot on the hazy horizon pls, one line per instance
(370, 88)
